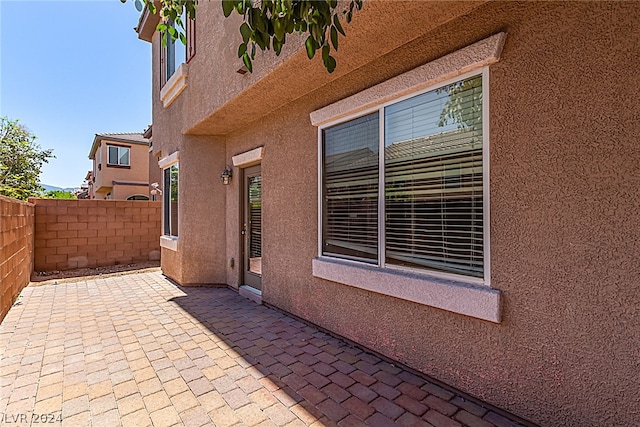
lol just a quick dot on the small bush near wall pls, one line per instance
(16, 249)
(73, 234)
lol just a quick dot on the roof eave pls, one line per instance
(148, 23)
(94, 146)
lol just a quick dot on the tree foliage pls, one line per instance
(464, 104)
(266, 24)
(21, 161)
(59, 194)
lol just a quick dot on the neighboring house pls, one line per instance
(460, 195)
(120, 167)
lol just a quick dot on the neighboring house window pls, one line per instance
(118, 156)
(174, 53)
(403, 186)
(137, 197)
(170, 200)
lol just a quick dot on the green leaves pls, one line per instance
(21, 161)
(267, 23)
(246, 32)
(334, 37)
(310, 44)
(228, 6)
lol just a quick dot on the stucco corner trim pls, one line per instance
(168, 242)
(462, 298)
(174, 86)
(248, 158)
(169, 160)
(480, 54)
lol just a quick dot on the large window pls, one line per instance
(118, 156)
(170, 200)
(403, 185)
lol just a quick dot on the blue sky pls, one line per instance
(69, 70)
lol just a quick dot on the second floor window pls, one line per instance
(118, 156)
(176, 52)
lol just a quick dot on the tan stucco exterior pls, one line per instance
(116, 182)
(564, 205)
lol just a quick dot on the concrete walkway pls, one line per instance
(137, 350)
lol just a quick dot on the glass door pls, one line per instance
(252, 227)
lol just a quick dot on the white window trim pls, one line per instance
(455, 293)
(176, 84)
(169, 242)
(119, 148)
(449, 67)
(167, 161)
(248, 158)
(419, 287)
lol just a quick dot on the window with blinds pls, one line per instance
(433, 183)
(351, 175)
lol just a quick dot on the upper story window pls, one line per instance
(117, 155)
(403, 185)
(174, 53)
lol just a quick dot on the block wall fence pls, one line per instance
(16, 249)
(72, 234)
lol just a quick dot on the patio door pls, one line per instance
(252, 228)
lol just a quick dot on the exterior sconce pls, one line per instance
(225, 176)
(155, 190)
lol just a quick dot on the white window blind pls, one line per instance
(434, 180)
(433, 177)
(351, 174)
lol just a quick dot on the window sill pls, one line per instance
(109, 165)
(169, 242)
(458, 297)
(174, 86)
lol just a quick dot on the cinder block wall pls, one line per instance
(73, 234)
(16, 249)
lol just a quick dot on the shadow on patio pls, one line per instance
(140, 350)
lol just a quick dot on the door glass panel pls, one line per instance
(255, 224)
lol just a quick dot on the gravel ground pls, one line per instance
(45, 277)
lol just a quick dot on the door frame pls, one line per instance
(248, 278)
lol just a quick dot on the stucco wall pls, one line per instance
(138, 172)
(16, 249)
(88, 233)
(124, 191)
(564, 202)
(564, 212)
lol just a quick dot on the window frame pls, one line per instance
(166, 203)
(118, 164)
(166, 240)
(168, 50)
(381, 265)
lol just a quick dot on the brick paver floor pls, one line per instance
(137, 350)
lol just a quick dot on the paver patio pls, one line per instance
(137, 350)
